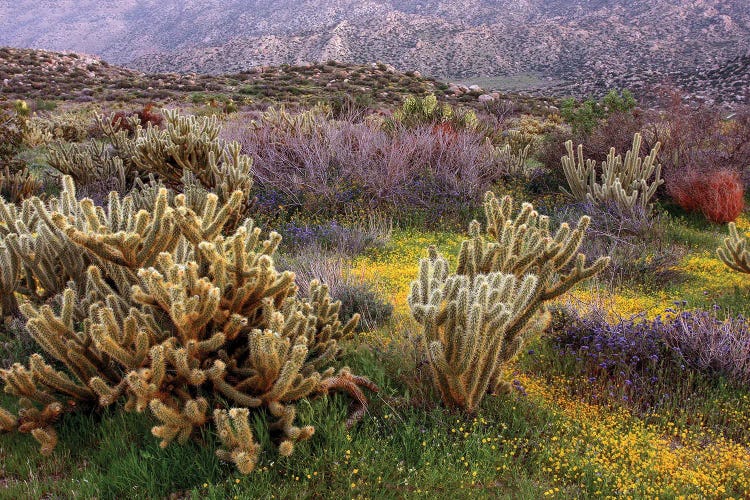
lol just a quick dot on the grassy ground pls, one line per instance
(544, 441)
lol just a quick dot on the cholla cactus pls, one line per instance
(628, 184)
(517, 243)
(18, 185)
(10, 271)
(192, 144)
(283, 122)
(476, 320)
(236, 435)
(91, 162)
(513, 160)
(734, 253)
(174, 317)
(419, 111)
(48, 260)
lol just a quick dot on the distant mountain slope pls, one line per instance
(570, 41)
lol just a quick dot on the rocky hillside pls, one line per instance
(40, 74)
(580, 45)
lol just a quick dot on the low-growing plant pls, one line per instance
(648, 364)
(351, 239)
(624, 362)
(710, 344)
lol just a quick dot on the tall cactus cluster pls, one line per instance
(168, 309)
(475, 320)
(628, 184)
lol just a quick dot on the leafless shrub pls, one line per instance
(711, 344)
(333, 165)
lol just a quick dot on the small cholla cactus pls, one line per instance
(735, 253)
(623, 182)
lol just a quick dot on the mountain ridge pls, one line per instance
(574, 42)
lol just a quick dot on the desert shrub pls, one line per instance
(649, 364)
(319, 166)
(315, 264)
(718, 194)
(698, 139)
(615, 131)
(173, 317)
(584, 116)
(350, 240)
(500, 110)
(345, 106)
(626, 361)
(475, 320)
(639, 250)
(711, 344)
(145, 117)
(358, 296)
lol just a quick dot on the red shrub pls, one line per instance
(719, 194)
(145, 115)
(683, 191)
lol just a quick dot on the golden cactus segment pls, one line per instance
(8, 421)
(734, 252)
(236, 436)
(178, 424)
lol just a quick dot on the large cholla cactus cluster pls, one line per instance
(628, 184)
(474, 321)
(168, 309)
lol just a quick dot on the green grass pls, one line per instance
(395, 451)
